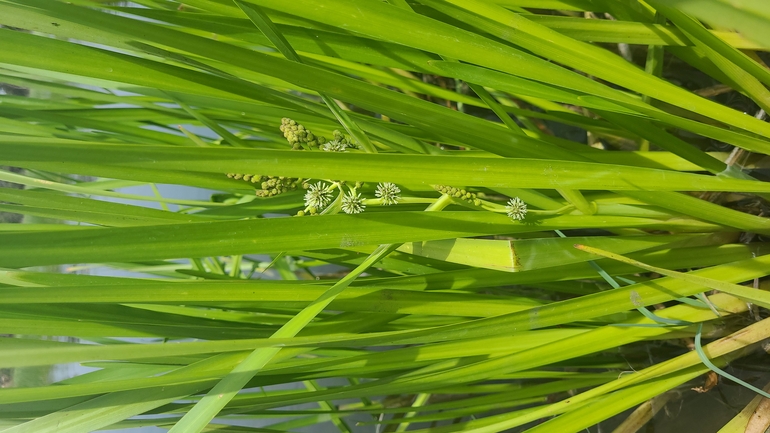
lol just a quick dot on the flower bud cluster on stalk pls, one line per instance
(320, 193)
(298, 136)
(458, 193)
(269, 186)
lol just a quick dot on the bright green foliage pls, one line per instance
(397, 189)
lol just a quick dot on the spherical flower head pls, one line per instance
(318, 196)
(388, 193)
(516, 209)
(335, 146)
(353, 203)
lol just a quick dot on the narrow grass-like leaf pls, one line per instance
(262, 21)
(274, 235)
(751, 295)
(715, 349)
(210, 405)
(420, 169)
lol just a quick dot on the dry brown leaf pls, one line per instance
(644, 413)
(712, 379)
(760, 419)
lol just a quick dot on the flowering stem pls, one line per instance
(440, 203)
(498, 208)
(413, 200)
(485, 205)
(561, 210)
(335, 206)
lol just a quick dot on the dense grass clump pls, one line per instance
(425, 215)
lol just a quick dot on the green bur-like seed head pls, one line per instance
(334, 146)
(516, 209)
(318, 196)
(388, 193)
(353, 203)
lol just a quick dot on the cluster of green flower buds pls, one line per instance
(298, 136)
(458, 193)
(340, 143)
(318, 195)
(269, 186)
